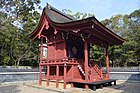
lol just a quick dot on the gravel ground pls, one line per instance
(121, 87)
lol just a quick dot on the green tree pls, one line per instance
(77, 15)
(134, 33)
(127, 26)
(18, 18)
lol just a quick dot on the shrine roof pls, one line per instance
(56, 15)
(63, 22)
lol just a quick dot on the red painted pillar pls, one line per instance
(41, 47)
(57, 76)
(48, 73)
(40, 74)
(107, 64)
(86, 62)
(65, 65)
(40, 67)
(65, 70)
(55, 52)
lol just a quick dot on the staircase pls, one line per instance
(81, 70)
(96, 72)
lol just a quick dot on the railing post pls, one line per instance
(65, 71)
(101, 72)
(57, 76)
(86, 62)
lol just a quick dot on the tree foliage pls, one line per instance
(17, 19)
(128, 27)
(77, 15)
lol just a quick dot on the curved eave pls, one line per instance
(33, 35)
(60, 21)
(84, 24)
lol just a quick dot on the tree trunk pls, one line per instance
(112, 63)
(18, 62)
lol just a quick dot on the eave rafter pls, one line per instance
(90, 28)
(105, 35)
(97, 37)
(101, 34)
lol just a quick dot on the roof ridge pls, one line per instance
(48, 6)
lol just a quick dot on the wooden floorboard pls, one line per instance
(102, 82)
(96, 84)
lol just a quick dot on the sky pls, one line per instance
(102, 9)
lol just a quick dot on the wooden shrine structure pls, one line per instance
(64, 48)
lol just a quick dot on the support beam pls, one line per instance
(72, 85)
(40, 62)
(65, 65)
(55, 52)
(41, 47)
(107, 64)
(86, 62)
(48, 73)
(65, 70)
(40, 75)
(65, 52)
(57, 76)
(72, 68)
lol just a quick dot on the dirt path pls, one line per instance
(121, 87)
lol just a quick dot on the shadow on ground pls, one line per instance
(9, 89)
(132, 85)
(121, 87)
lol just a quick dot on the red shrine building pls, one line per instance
(64, 49)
